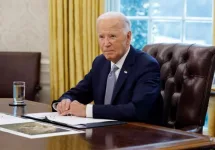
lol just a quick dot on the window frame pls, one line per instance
(114, 5)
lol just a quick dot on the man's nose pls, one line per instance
(107, 42)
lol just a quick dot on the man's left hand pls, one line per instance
(76, 109)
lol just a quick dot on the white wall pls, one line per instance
(24, 27)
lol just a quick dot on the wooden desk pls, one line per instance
(127, 136)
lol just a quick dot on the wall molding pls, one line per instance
(45, 72)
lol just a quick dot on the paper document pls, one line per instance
(31, 129)
(69, 120)
(34, 130)
(8, 119)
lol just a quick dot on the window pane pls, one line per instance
(199, 8)
(167, 8)
(200, 33)
(139, 30)
(134, 7)
(168, 32)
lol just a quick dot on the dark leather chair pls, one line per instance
(186, 77)
(20, 66)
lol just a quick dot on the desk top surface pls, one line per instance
(126, 136)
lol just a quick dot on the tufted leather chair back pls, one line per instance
(186, 77)
(20, 66)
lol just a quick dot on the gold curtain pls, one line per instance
(211, 105)
(73, 41)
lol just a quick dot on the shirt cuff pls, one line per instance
(89, 111)
(54, 106)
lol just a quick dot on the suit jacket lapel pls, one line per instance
(125, 71)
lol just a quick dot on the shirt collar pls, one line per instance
(120, 63)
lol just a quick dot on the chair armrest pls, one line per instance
(38, 88)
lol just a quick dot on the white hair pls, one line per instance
(126, 23)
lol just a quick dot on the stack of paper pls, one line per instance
(31, 129)
(72, 121)
(8, 119)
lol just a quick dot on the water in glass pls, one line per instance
(18, 92)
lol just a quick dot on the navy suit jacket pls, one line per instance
(136, 96)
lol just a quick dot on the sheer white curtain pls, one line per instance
(112, 5)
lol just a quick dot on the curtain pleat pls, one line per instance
(73, 41)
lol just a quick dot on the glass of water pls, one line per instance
(18, 92)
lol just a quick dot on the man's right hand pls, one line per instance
(63, 106)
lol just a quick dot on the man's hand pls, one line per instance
(76, 109)
(63, 106)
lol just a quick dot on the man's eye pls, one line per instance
(101, 37)
(112, 36)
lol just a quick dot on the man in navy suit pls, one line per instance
(135, 93)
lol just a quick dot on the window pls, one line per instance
(156, 21)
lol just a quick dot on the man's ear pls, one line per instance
(129, 34)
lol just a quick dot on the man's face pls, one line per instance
(113, 41)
